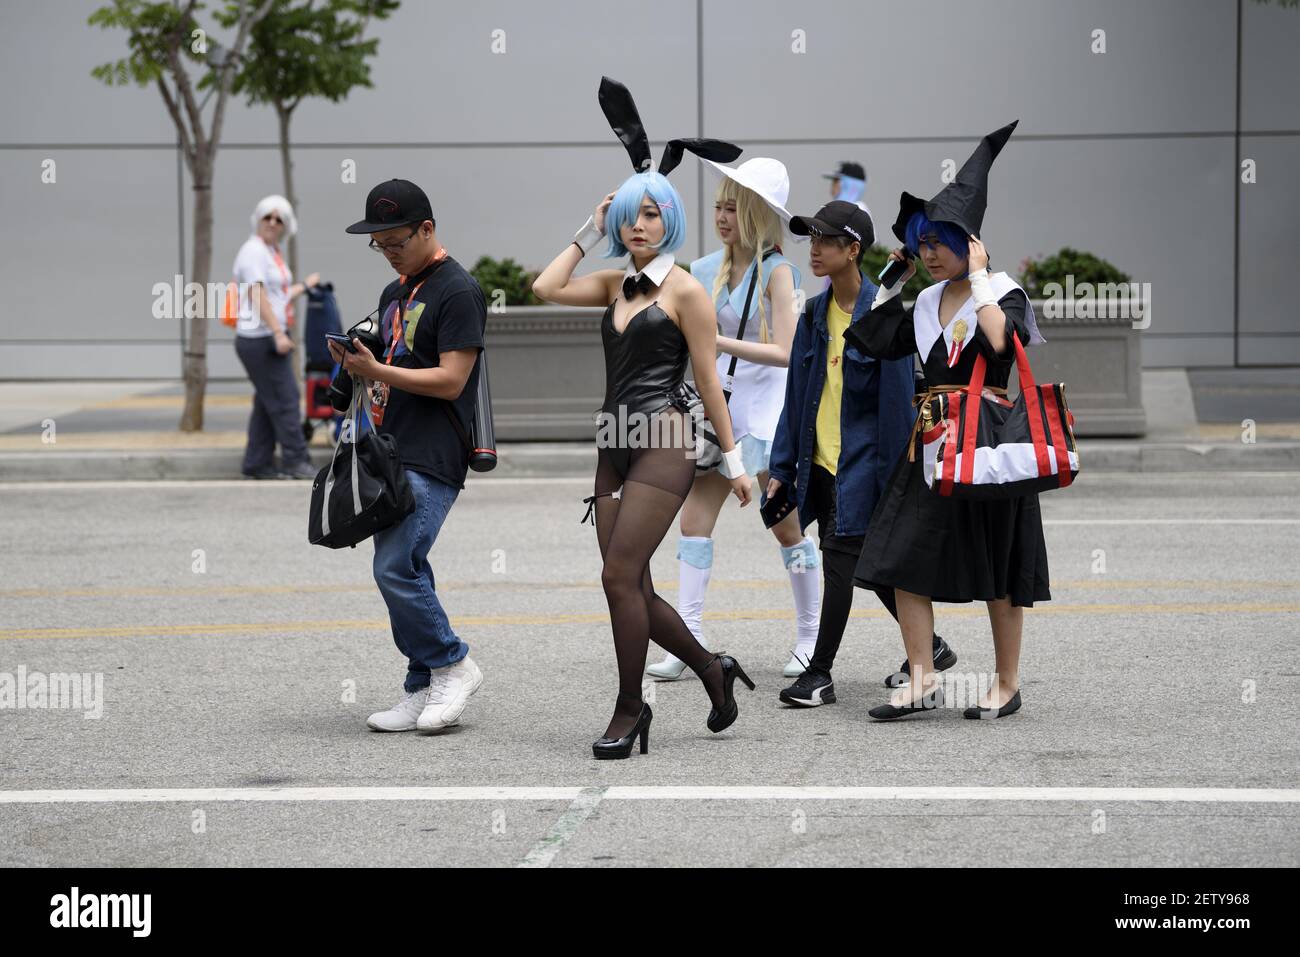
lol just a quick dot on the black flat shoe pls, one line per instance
(612, 748)
(1011, 707)
(720, 719)
(930, 701)
(944, 658)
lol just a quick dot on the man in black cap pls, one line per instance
(432, 319)
(846, 422)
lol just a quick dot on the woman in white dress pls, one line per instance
(750, 218)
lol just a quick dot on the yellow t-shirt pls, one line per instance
(827, 452)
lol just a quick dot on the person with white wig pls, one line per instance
(264, 346)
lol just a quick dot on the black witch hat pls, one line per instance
(963, 201)
(616, 102)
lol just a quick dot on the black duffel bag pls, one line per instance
(364, 489)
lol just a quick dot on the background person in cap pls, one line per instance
(846, 420)
(749, 216)
(264, 346)
(432, 318)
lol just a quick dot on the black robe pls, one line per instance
(950, 549)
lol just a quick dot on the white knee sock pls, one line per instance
(695, 565)
(802, 562)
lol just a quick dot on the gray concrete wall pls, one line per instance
(1129, 154)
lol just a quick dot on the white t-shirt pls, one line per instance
(255, 262)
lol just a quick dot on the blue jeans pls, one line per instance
(421, 630)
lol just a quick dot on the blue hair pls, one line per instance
(949, 234)
(626, 207)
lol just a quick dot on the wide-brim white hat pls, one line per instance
(763, 176)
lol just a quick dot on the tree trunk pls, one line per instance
(285, 114)
(196, 358)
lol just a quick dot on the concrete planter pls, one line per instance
(548, 372)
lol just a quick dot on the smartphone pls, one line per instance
(341, 339)
(894, 270)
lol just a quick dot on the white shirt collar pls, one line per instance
(656, 270)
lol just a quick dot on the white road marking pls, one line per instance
(544, 851)
(580, 795)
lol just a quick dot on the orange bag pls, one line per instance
(230, 308)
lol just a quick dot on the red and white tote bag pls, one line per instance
(983, 446)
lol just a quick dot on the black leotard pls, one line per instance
(645, 364)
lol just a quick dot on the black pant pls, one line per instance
(276, 416)
(839, 559)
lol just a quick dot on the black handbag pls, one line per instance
(708, 453)
(364, 488)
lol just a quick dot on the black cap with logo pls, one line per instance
(398, 202)
(836, 218)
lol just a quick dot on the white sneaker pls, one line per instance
(401, 716)
(449, 691)
(670, 669)
(798, 662)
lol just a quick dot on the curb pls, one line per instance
(578, 460)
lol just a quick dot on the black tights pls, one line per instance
(837, 601)
(629, 529)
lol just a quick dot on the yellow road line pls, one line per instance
(598, 617)
(222, 591)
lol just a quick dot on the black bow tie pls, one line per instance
(640, 283)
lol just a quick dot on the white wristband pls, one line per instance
(981, 290)
(588, 235)
(732, 465)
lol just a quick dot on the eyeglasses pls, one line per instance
(397, 246)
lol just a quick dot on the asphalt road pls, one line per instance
(235, 656)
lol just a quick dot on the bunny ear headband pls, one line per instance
(620, 111)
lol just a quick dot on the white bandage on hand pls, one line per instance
(884, 295)
(588, 235)
(732, 465)
(981, 290)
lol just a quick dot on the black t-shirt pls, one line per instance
(447, 312)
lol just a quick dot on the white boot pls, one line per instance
(695, 565)
(802, 562)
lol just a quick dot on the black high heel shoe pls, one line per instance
(720, 719)
(610, 748)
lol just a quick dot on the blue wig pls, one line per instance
(626, 207)
(950, 235)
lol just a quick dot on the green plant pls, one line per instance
(1035, 274)
(506, 275)
(872, 262)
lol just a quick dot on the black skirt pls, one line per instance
(953, 550)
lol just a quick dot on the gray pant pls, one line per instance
(276, 416)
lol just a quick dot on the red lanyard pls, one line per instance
(397, 322)
(284, 274)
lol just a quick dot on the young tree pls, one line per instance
(305, 48)
(166, 42)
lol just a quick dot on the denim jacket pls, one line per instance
(876, 417)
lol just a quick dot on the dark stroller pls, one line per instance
(322, 317)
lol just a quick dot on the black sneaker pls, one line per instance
(266, 472)
(302, 470)
(944, 658)
(810, 689)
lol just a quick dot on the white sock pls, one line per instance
(692, 582)
(802, 562)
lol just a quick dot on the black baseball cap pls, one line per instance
(836, 218)
(854, 170)
(398, 202)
